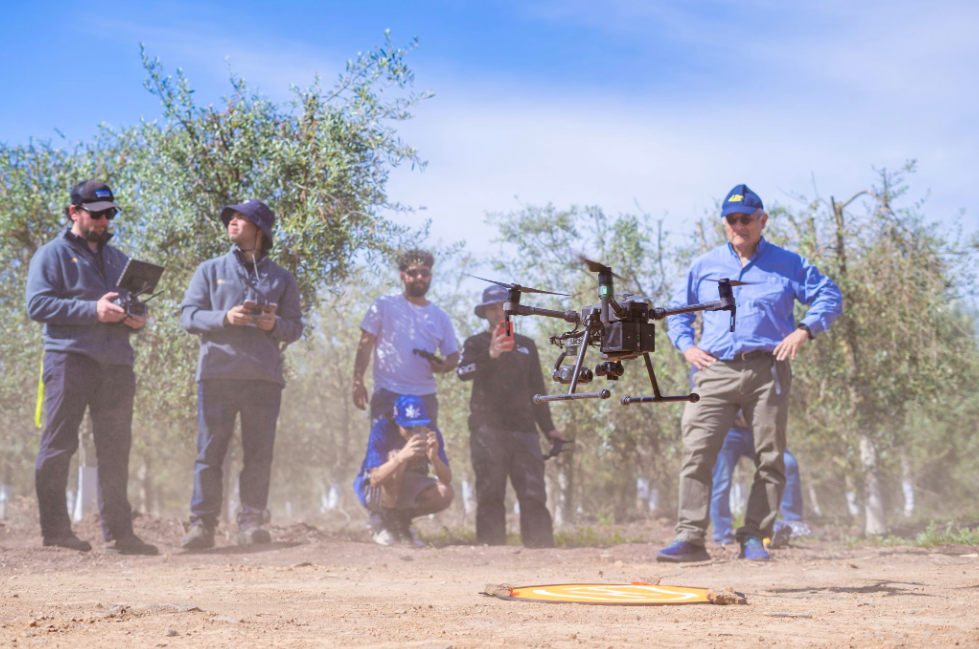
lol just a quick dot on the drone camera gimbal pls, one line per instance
(620, 326)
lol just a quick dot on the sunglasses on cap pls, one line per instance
(418, 272)
(746, 219)
(108, 214)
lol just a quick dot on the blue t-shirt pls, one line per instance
(385, 437)
(400, 328)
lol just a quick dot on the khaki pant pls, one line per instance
(724, 388)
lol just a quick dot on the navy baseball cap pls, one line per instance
(741, 200)
(93, 195)
(409, 410)
(255, 211)
(492, 295)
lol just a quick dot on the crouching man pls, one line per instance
(394, 478)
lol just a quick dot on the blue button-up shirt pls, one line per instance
(765, 307)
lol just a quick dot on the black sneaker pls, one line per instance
(200, 537)
(253, 536)
(71, 542)
(132, 544)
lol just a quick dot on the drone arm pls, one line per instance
(512, 309)
(659, 313)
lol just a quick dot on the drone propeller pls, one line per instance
(517, 287)
(734, 282)
(597, 267)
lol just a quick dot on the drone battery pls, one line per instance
(625, 336)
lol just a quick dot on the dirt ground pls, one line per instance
(311, 588)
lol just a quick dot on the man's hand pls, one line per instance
(558, 435)
(699, 358)
(360, 394)
(791, 344)
(432, 445)
(135, 322)
(237, 316)
(447, 364)
(415, 448)
(106, 311)
(500, 344)
(266, 321)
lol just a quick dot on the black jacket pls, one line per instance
(503, 388)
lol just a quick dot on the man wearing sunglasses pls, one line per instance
(88, 364)
(405, 331)
(747, 369)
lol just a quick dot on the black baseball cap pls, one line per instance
(93, 195)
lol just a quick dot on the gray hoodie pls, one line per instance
(232, 352)
(64, 282)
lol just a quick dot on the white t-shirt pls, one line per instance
(402, 327)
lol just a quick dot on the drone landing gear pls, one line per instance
(693, 397)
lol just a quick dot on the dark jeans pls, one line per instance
(218, 403)
(72, 383)
(738, 443)
(382, 404)
(497, 454)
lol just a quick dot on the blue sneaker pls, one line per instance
(683, 552)
(752, 549)
(725, 540)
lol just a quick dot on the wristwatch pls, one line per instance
(805, 327)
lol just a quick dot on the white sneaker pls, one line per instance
(385, 537)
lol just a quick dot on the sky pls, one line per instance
(628, 105)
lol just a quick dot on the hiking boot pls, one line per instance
(799, 528)
(683, 552)
(254, 536)
(781, 534)
(132, 544)
(200, 537)
(752, 549)
(70, 541)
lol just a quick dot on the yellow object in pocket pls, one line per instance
(40, 396)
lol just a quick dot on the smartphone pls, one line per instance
(252, 309)
(501, 331)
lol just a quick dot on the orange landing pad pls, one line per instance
(634, 594)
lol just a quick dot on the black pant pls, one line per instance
(497, 454)
(218, 403)
(72, 383)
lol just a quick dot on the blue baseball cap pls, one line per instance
(255, 211)
(492, 295)
(741, 200)
(409, 410)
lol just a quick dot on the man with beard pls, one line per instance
(246, 309)
(88, 363)
(402, 330)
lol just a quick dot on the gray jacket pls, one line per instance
(232, 352)
(64, 282)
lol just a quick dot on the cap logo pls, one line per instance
(411, 412)
(103, 193)
(735, 198)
